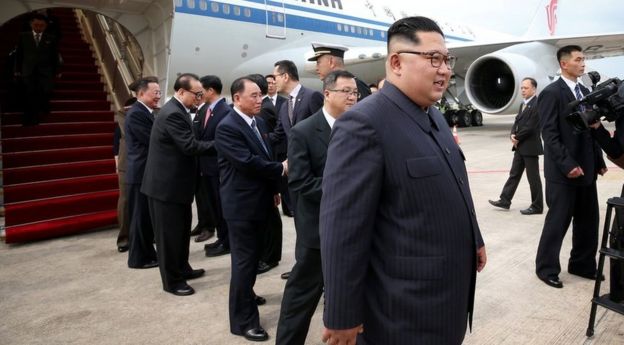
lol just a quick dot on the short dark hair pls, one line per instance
(288, 67)
(269, 76)
(183, 81)
(566, 51)
(533, 81)
(262, 83)
(238, 85)
(211, 82)
(406, 28)
(38, 16)
(142, 84)
(329, 82)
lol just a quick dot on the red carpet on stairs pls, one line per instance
(59, 177)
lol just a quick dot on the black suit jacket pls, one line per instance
(138, 127)
(268, 113)
(307, 103)
(42, 59)
(171, 169)
(564, 147)
(526, 127)
(208, 165)
(363, 89)
(397, 224)
(247, 172)
(307, 152)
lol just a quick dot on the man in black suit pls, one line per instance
(249, 179)
(37, 62)
(276, 100)
(209, 215)
(307, 151)
(400, 242)
(527, 146)
(138, 127)
(330, 57)
(169, 183)
(572, 161)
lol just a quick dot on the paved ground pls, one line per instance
(78, 290)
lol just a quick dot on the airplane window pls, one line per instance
(178, 3)
(226, 9)
(339, 26)
(383, 34)
(352, 29)
(371, 32)
(203, 5)
(280, 17)
(214, 6)
(236, 11)
(190, 3)
(247, 12)
(359, 30)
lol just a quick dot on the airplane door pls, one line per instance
(275, 19)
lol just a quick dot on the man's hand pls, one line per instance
(514, 141)
(576, 172)
(596, 125)
(276, 199)
(603, 171)
(285, 166)
(481, 258)
(341, 336)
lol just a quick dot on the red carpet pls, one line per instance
(59, 177)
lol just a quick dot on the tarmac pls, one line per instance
(79, 290)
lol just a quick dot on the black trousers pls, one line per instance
(245, 241)
(287, 205)
(271, 250)
(302, 293)
(209, 211)
(123, 214)
(518, 165)
(566, 202)
(141, 233)
(39, 88)
(172, 227)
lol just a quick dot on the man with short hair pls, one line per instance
(527, 147)
(138, 127)
(572, 161)
(169, 183)
(307, 152)
(330, 57)
(249, 179)
(276, 99)
(399, 236)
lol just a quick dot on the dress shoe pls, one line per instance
(204, 236)
(587, 276)
(256, 334)
(217, 251)
(194, 274)
(150, 264)
(552, 281)
(182, 290)
(212, 245)
(500, 203)
(530, 210)
(198, 230)
(122, 249)
(260, 300)
(285, 275)
(264, 267)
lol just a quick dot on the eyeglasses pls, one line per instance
(198, 94)
(348, 92)
(435, 58)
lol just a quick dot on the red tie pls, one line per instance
(208, 114)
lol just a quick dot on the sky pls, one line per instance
(516, 17)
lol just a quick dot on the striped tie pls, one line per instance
(579, 96)
(255, 130)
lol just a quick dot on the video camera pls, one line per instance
(605, 101)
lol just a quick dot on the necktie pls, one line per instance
(523, 107)
(37, 38)
(579, 96)
(257, 133)
(208, 114)
(272, 100)
(290, 109)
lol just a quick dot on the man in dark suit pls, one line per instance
(37, 62)
(301, 102)
(209, 215)
(249, 179)
(138, 127)
(307, 151)
(400, 242)
(276, 100)
(169, 183)
(572, 161)
(330, 57)
(527, 146)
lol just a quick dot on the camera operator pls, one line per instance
(612, 146)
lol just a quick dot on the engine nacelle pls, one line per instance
(493, 81)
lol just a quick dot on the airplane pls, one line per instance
(231, 38)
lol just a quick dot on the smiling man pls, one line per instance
(400, 243)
